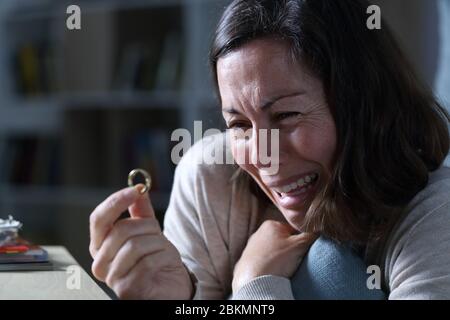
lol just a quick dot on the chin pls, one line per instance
(294, 217)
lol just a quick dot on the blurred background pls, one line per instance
(80, 108)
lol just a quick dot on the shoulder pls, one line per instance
(417, 261)
(208, 159)
(437, 191)
(429, 205)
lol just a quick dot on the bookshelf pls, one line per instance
(79, 109)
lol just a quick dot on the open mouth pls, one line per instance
(298, 187)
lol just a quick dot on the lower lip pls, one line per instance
(298, 198)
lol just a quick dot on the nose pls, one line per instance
(264, 148)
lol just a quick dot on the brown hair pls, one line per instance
(391, 132)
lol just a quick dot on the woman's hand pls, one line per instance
(274, 249)
(132, 255)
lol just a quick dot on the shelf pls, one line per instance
(114, 99)
(108, 100)
(119, 100)
(43, 117)
(45, 114)
(67, 196)
(35, 11)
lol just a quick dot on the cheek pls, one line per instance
(241, 154)
(317, 144)
(239, 151)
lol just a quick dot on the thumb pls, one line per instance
(142, 207)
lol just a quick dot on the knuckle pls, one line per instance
(308, 239)
(97, 269)
(123, 289)
(152, 225)
(134, 244)
(134, 227)
(122, 227)
(110, 279)
(92, 250)
(112, 202)
(271, 224)
(94, 218)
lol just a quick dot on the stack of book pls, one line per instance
(17, 254)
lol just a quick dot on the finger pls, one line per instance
(122, 231)
(302, 242)
(290, 229)
(285, 228)
(142, 207)
(304, 238)
(134, 250)
(103, 217)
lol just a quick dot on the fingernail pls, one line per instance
(140, 188)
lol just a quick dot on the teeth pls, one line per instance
(300, 183)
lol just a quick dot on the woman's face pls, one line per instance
(262, 88)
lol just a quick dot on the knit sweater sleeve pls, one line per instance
(421, 268)
(418, 260)
(267, 287)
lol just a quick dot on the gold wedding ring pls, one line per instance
(148, 179)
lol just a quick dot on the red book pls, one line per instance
(13, 248)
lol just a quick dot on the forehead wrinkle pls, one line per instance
(248, 99)
(251, 77)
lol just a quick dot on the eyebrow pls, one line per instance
(269, 103)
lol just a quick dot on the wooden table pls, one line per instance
(67, 281)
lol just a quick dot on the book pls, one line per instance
(29, 266)
(168, 76)
(17, 254)
(35, 69)
(31, 254)
(33, 259)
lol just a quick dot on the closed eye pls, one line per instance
(286, 115)
(238, 125)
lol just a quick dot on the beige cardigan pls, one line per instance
(211, 216)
